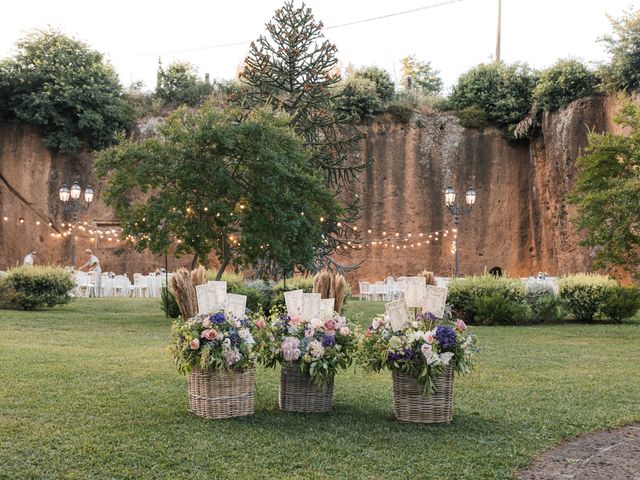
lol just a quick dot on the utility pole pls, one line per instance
(499, 29)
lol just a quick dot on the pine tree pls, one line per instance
(295, 69)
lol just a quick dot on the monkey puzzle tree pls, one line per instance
(294, 69)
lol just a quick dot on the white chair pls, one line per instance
(140, 287)
(365, 292)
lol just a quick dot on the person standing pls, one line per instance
(93, 264)
(28, 259)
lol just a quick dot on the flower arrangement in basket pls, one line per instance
(422, 354)
(310, 350)
(217, 351)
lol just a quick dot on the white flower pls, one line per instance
(446, 358)
(433, 359)
(316, 323)
(245, 334)
(427, 350)
(227, 342)
(315, 349)
(415, 324)
(376, 323)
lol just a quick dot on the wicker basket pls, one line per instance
(221, 394)
(298, 392)
(410, 404)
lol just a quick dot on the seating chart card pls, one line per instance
(436, 301)
(327, 306)
(415, 291)
(311, 305)
(293, 300)
(211, 296)
(398, 314)
(236, 305)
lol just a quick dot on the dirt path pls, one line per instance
(606, 455)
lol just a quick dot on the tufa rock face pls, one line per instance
(521, 221)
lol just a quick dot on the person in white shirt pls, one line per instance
(29, 258)
(93, 264)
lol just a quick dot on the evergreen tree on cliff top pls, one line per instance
(294, 69)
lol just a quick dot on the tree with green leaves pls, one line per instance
(424, 77)
(179, 84)
(381, 80)
(215, 182)
(606, 194)
(294, 69)
(562, 83)
(65, 88)
(623, 44)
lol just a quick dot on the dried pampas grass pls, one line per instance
(331, 285)
(184, 292)
(431, 278)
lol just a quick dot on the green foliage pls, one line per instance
(472, 117)
(503, 92)
(168, 303)
(548, 308)
(563, 83)
(467, 295)
(384, 86)
(585, 294)
(424, 77)
(623, 44)
(497, 309)
(606, 193)
(400, 111)
(295, 283)
(359, 98)
(243, 189)
(66, 89)
(621, 303)
(179, 84)
(31, 288)
(142, 104)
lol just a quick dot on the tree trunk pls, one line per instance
(194, 262)
(222, 267)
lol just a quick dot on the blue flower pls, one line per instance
(408, 354)
(328, 340)
(393, 356)
(446, 336)
(217, 318)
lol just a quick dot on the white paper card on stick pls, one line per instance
(415, 291)
(327, 306)
(398, 314)
(311, 305)
(218, 294)
(293, 301)
(202, 294)
(236, 305)
(436, 301)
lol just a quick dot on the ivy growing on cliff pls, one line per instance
(65, 88)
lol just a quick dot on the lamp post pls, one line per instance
(457, 210)
(71, 197)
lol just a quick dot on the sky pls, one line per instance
(453, 36)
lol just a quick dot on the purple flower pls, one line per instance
(217, 318)
(328, 340)
(445, 336)
(408, 354)
(392, 356)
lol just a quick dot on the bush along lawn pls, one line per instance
(88, 390)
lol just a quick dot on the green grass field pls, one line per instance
(89, 391)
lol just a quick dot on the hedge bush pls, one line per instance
(621, 303)
(586, 294)
(563, 83)
(31, 288)
(498, 309)
(470, 296)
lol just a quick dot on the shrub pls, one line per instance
(385, 88)
(464, 294)
(563, 83)
(502, 92)
(168, 303)
(359, 98)
(400, 112)
(548, 308)
(66, 89)
(472, 117)
(31, 288)
(295, 283)
(621, 303)
(497, 309)
(585, 294)
(256, 298)
(179, 85)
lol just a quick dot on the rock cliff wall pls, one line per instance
(521, 221)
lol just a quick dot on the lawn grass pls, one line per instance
(87, 391)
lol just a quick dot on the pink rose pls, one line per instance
(295, 320)
(260, 323)
(460, 325)
(194, 344)
(429, 337)
(209, 334)
(344, 331)
(330, 324)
